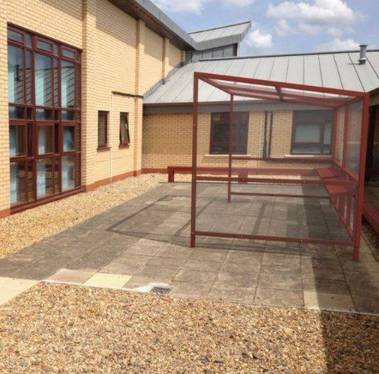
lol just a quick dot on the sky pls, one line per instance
(285, 26)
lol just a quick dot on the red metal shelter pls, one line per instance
(343, 178)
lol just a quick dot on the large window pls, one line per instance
(220, 133)
(102, 130)
(124, 130)
(312, 132)
(44, 117)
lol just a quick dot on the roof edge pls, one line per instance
(221, 27)
(283, 55)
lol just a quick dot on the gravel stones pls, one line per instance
(59, 328)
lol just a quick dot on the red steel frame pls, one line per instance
(343, 188)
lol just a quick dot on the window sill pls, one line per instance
(227, 155)
(123, 146)
(103, 149)
(299, 155)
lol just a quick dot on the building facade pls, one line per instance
(72, 79)
(94, 91)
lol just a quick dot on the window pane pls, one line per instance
(68, 84)
(16, 141)
(44, 178)
(68, 53)
(306, 149)
(45, 139)
(68, 173)
(15, 75)
(14, 35)
(43, 81)
(328, 133)
(68, 139)
(220, 133)
(307, 133)
(68, 115)
(56, 82)
(44, 114)
(28, 40)
(16, 112)
(102, 130)
(20, 178)
(28, 77)
(44, 45)
(124, 129)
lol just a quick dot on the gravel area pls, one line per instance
(57, 328)
(23, 229)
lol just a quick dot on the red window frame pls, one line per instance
(27, 114)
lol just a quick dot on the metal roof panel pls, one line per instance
(332, 70)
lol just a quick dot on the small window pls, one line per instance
(103, 130)
(220, 133)
(312, 132)
(124, 130)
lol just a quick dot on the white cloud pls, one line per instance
(312, 17)
(283, 28)
(258, 39)
(239, 3)
(338, 44)
(196, 6)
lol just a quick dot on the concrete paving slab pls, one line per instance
(328, 301)
(10, 288)
(236, 295)
(71, 276)
(190, 289)
(102, 280)
(275, 297)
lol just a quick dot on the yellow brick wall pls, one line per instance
(167, 139)
(281, 134)
(174, 56)
(61, 20)
(152, 59)
(119, 54)
(4, 129)
(115, 54)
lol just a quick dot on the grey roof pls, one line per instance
(328, 69)
(220, 36)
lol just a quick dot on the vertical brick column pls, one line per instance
(137, 141)
(165, 60)
(89, 110)
(4, 121)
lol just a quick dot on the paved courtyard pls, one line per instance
(142, 246)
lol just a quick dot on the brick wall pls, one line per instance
(61, 20)
(167, 140)
(119, 54)
(4, 130)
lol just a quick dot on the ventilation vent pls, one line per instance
(160, 290)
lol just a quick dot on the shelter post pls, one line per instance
(194, 159)
(361, 180)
